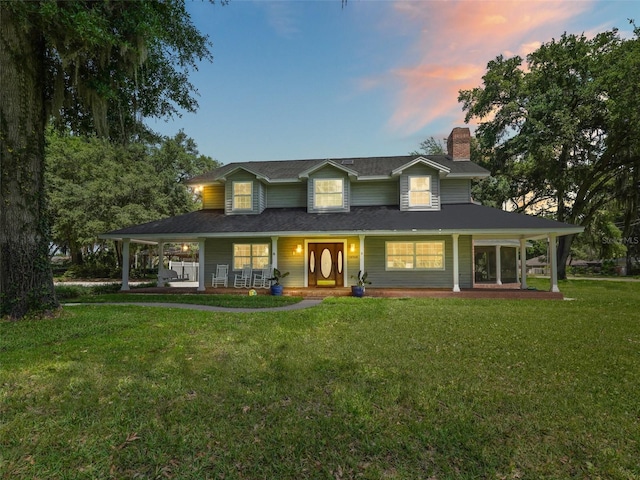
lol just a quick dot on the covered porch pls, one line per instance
(504, 293)
(487, 242)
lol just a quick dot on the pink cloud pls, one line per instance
(455, 40)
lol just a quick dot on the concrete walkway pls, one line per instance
(306, 303)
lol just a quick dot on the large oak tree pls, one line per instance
(90, 66)
(95, 186)
(563, 131)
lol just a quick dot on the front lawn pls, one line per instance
(354, 388)
(111, 293)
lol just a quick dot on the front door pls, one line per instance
(326, 265)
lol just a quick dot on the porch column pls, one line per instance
(160, 255)
(517, 269)
(523, 264)
(456, 274)
(498, 266)
(125, 264)
(362, 253)
(274, 252)
(160, 260)
(554, 263)
(201, 261)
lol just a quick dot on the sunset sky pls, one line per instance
(311, 79)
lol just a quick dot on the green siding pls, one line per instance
(287, 196)
(295, 264)
(218, 251)
(374, 193)
(455, 191)
(374, 260)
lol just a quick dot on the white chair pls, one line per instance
(243, 279)
(221, 276)
(261, 279)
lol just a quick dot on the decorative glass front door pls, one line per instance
(326, 265)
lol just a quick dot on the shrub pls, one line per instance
(66, 292)
(106, 288)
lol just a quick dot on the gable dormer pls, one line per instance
(420, 184)
(244, 193)
(328, 187)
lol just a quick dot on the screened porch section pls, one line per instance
(496, 264)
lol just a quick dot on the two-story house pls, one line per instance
(409, 221)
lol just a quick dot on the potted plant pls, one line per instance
(276, 288)
(357, 290)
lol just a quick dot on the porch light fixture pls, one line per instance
(185, 247)
(298, 250)
(352, 248)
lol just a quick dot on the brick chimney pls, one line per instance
(459, 144)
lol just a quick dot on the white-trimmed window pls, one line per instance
(415, 255)
(254, 254)
(328, 193)
(420, 191)
(242, 195)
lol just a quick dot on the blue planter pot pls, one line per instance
(276, 290)
(357, 291)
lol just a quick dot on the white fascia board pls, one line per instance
(373, 178)
(120, 238)
(468, 176)
(426, 161)
(259, 176)
(530, 234)
(291, 180)
(309, 171)
(203, 183)
(492, 242)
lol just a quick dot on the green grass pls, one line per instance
(108, 294)
(354, 388)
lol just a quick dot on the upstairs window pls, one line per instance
(328, 193)
(420, 191)
(242, 195)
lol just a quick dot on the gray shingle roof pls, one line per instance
(457, 217)
(279, 170)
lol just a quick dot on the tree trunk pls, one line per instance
(26, 281)
(562, 254)
(75, 252)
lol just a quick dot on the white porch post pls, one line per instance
(125, 264)
(361, 253)
(274, 252)
(523, 264)
(201, 262)
(456, 268)
(498, 266)
(554, 263)
(160, 255)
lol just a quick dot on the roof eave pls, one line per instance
(426, 161)
(528, 233)
(305, 174)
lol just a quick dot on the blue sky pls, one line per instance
(310, 79)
